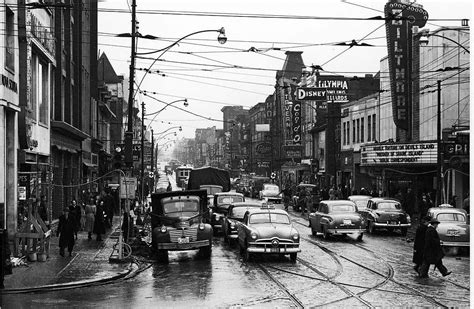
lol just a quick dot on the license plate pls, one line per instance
(346, 222)
(183, 240)
(275, 249)
(452, 233)
(393, 223)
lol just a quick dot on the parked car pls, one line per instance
(312, 197)
(337, 217)
(386, 213)
(270, 193)
(235, 215)
(453, 228)
(178, 223)
(268, 230)
(220, 205)
(361, 201)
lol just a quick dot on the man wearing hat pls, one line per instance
(433, 253)
(66, 231)
(419, 244)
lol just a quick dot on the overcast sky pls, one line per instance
(211, 75)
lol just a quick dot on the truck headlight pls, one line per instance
(408, 218)
(201, 226)
(232, 226)
(254, 236)
(163, 229)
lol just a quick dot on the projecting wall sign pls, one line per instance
(398, 154)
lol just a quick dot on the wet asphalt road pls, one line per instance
(376, 272)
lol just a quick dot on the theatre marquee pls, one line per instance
(398, 154)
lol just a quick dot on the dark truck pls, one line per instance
(209, 176)
(178, 223)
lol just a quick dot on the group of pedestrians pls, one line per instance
(94, 218)
(427, 248)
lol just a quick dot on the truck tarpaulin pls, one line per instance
(209, 176)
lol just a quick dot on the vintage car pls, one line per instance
(220, 204)
(270, 193)
(312, 197)
(361, 201)
(267, 230)
(177, 223)
(235, 215)
(453, 228)
(386, 213)
(337, 217)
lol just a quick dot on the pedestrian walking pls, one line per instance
(433, 253)
(466, 204)
(424, 206)
(75, 210)
(419, 244)
(99, 224)
(286, 196)
(109, 205)
(66, 230)
(83, 217)
(90, 211)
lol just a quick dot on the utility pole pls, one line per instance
(439, 171)
(129, 133)
(143, 154)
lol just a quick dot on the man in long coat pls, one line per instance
(99, 222)
(419, 244)
(66, 231)
(433, 253)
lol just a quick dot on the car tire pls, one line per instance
(205, 252)
(162, 256)
(371, 227)
(293, 257)
(404, 231)
(246, 256)
(325, 232)
(359, 238)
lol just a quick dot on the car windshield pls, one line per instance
(388, 206)
(451, 217)
(179, 208)
(361, 204)
(229, 199)
(343, 208)
(271, 188)
(269, 218)
(238, 212)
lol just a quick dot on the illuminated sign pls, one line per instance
(292, 118)
(398, 154)
(400, 18)
(311, 94)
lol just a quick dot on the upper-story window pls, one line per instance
(369, 128)
(361, 130)
(374, 122)
(9, 39)
(344, 133)
(358, 130)
(353, 131)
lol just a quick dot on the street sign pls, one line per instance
(311, 94)
(128, 186)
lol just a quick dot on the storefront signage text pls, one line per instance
(399, 154)
(9, 83)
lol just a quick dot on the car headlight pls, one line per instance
(254, 236)
(232, 226)
(408, 218)
(201, 226)
(163, 229)
(296, 236)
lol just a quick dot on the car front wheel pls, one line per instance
(359, 238)
(404, 231)
(205, 252)
(371, 227)
(293, 257)
(162, 256)
(325, 232)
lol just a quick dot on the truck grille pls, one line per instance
(191, 233)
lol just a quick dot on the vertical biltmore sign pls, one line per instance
(401, 16)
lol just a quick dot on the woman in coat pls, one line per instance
(433, 253)
(90, 217)
(99, 223)
(66, 230)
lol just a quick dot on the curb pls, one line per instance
(69, 285)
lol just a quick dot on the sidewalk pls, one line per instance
(89, 263)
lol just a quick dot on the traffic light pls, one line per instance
(118, 158)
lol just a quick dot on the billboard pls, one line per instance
(401, 17)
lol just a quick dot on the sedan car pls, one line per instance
(453, 228)
(235, 215)
(386, 213)
(337, 217)
(361, 201)
(270, 193)
(220, 205)
(268, 230)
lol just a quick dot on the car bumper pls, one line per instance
(388, 225)
(186, 246)
(455, 244)
(345, 231)
(283, 249)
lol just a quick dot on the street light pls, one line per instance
(167, 104)
(425, 34)
(175, 127)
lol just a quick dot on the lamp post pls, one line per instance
(175, 127)
(167, 104)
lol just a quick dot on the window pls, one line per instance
(358, 130)
(9, 40)
(369, 133)
(348, 133)
(344, 133)
(373, 126)
(34, 85)
(353, 131)
(43, 91)
(361, 130)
